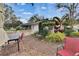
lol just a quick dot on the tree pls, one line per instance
(10, 18)
(14, 23)
(8, 12)
(71, 9)
(3, 35)
(34, 18)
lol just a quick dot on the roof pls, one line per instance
(30, 24)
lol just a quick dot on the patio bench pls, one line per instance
(70, 47)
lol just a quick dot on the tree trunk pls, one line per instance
(3, 34)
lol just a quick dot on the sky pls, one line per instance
(25, 11)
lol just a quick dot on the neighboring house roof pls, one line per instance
(31, 23)
(26, 24)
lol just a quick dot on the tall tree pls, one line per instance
(71, 8)
(34, 18)
(8, 12)
(10, 17)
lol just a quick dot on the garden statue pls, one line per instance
(3, 34)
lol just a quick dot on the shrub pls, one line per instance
(55, 37)
(68, 31)
(75, 34)
(44, 32)
(18, 28)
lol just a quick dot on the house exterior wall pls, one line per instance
(76, 28)
(35, 28)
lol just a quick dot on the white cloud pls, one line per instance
(43, 7)
(27, 13)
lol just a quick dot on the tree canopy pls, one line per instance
(71, 11)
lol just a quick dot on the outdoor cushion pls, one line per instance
(73, 44)
(64, 53)
(71, 47)
(76, 45)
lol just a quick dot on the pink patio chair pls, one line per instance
(70, 47)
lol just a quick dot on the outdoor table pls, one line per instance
(14, 37)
